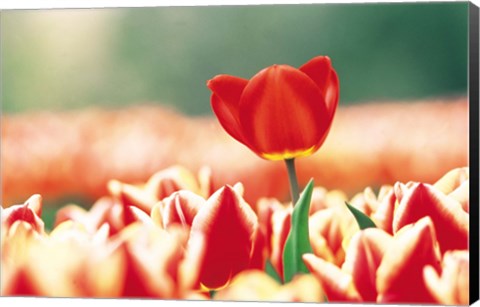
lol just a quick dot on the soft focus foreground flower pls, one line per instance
(281, 112)
(227, 228)
(455, 185)
(67, 263)
(151, 252)
(364, 255)
(128, 203)
(451, 222)
(399, 276)
(450, 287)
(29, 212)
(161, 185)
(381, 268)
(399, 262)
(337, 284)
(254, 285)
(190, 242)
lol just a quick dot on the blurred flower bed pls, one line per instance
(176, 237)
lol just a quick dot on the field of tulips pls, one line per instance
(180, 236)
(176, 238)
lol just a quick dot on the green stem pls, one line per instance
(292, 178)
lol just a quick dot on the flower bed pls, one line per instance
(174, 237)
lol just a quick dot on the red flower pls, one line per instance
(399, 277)
(449, 219)
(281, 112)
(222, 237)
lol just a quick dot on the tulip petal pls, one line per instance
(181, 208)
(265, 209)
(281, 225)
(170, 180)
(363, 257)
(462, 195)
(383, 216)
(455, 184)
(258, 254)
(132, 195)
(320, 70)
(253, 285)
(451, 287)
(92, 219)
(229, 89)
(399, 276)
(29, 212)
(18, 283)
(450, 220)
(273, 95)
(326, 235)
(152, 260)
(228, 225)
(452, 180)
(337, 284)
(226, 93)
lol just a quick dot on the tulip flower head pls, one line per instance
(280, 113)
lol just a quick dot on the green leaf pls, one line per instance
(270, 270)
(298, 240)
(362, 220)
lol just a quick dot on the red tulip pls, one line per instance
(399, 277)
(281, 112)
(363, 257)
(448, 217)
(223, 237)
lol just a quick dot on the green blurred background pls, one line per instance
(64, 59)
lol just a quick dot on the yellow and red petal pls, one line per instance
(452, 180)
(250, 285)
(281, 225)
(259, 252)
(326, 235)
(383, 216)
(132, 195)
(254, 285)
(399, 276)
(170, 180)
(152, 260)
(29, 212)
(338, 285)
(451, 287)
(448, 217)
(265, 209)
(120, 215)
(228, 225)
(462, 195)
(363, 257)
(181, 208)
(283, 113)
(92, 219)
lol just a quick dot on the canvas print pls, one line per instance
(278, 153)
